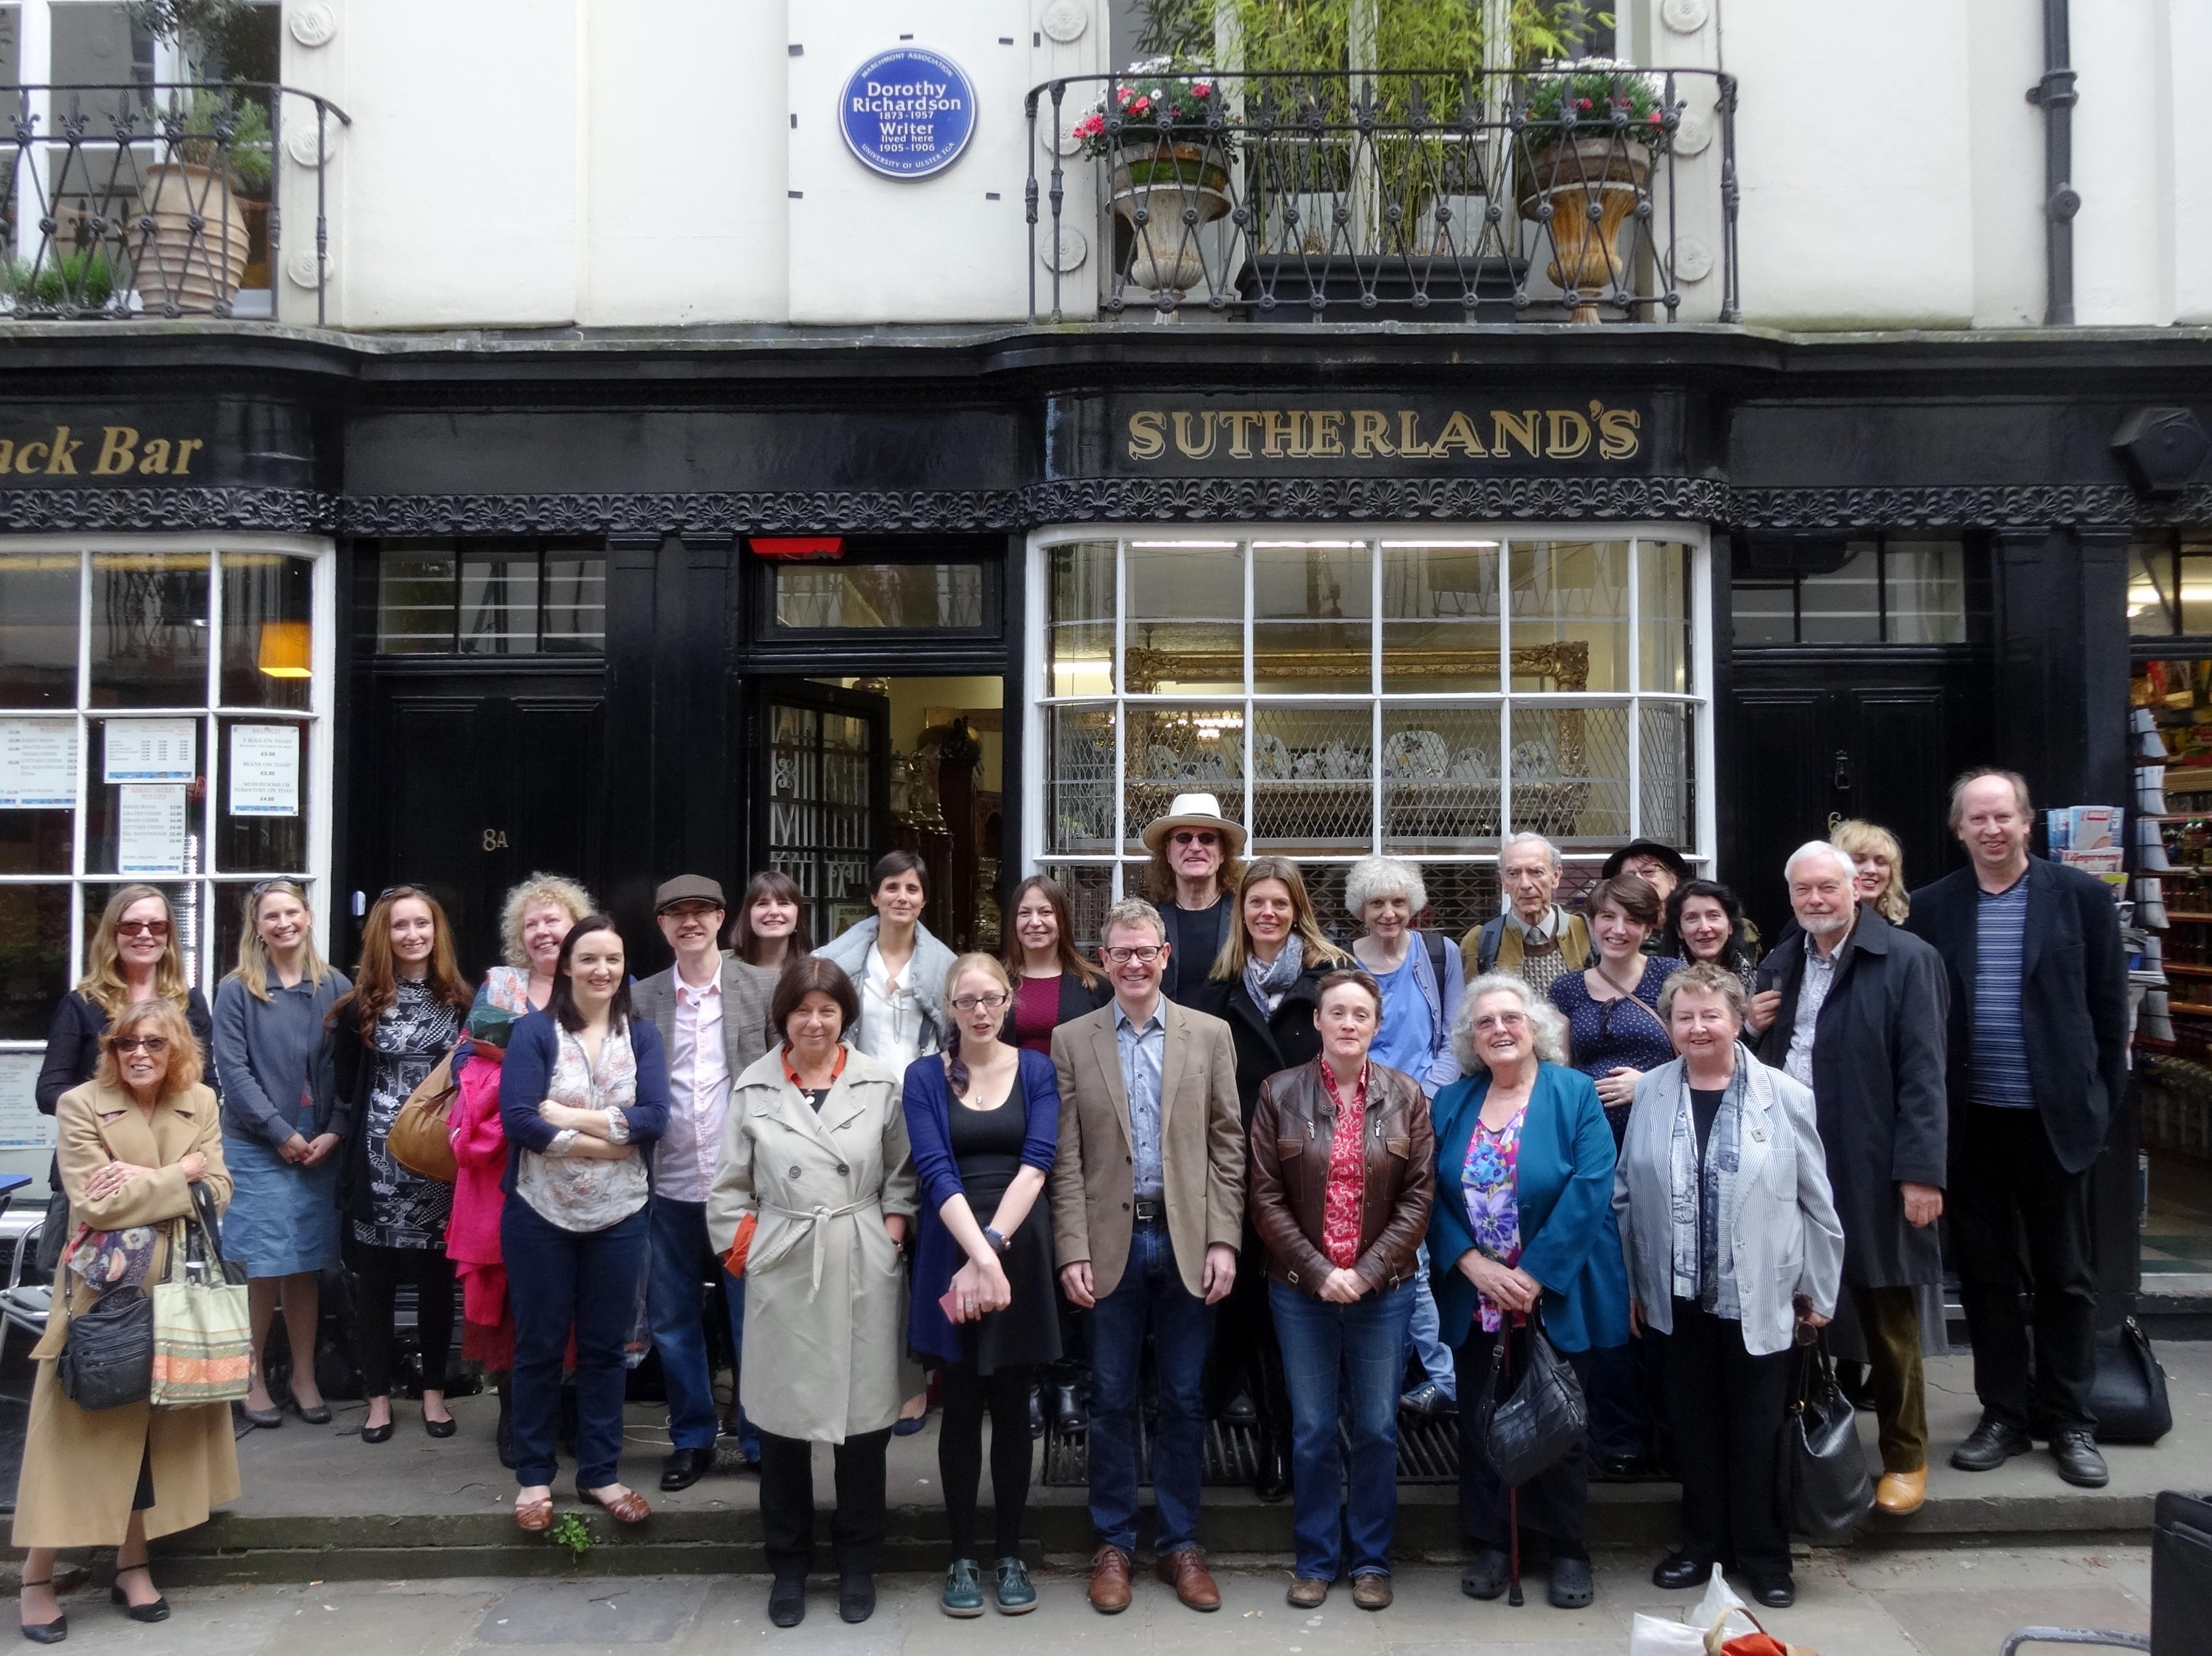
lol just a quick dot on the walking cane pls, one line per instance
(1513, 1494)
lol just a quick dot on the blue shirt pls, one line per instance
(1997, 1073)
(1406, 1040)
(1143, 1050)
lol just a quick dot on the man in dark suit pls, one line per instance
(2038, 1056)
(712, 1012)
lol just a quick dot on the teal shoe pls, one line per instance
(1016, 1597)
(963, 1592)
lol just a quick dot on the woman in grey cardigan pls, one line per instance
(1731, 1241)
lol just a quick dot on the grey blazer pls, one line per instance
(1787, 1238)
(746, 992)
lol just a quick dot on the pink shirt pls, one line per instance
(698, 1095)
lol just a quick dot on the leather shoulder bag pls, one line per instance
(1544, 1418)
(1825, 1492)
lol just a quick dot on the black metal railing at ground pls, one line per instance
(163, 199)
(1584, 193)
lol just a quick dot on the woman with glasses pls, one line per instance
(984, 1120)
(283, 1118)
(1192, 879)
(770, 929)
(403, 1014)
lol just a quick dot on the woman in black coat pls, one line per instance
(1266, 985)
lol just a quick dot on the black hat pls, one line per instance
(1652, 848)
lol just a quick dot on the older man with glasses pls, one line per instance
(1193, 875)
(1535, 939)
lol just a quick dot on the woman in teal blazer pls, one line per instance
(1524, 1212)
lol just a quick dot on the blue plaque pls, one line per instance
(907, 114)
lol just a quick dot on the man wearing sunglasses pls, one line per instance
(1195, 870)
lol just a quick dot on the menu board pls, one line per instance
(22, 1126)
(151, 750)
(150, 829)
(265, 770)
(38, 764)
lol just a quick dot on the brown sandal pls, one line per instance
(627, 1507)
(534, 1515)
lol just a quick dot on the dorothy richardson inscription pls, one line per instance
(1588, 431)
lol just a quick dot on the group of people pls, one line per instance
(1230, 1153)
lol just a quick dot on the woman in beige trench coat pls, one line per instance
(814, 1153)
(133, 1141)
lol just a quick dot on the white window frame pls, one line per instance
(1040, 698)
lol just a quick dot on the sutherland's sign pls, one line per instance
(1593, 430)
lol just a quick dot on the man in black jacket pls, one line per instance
(1861, 1022)
(2038, 1056)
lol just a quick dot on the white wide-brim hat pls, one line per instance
(1194, 810)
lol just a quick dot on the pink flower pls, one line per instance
(1201, 88)
(1656, 118)
(1140, 106)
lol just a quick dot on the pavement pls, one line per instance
(1898, 1602)
(318, 1504)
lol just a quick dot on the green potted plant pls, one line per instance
(1590, 128)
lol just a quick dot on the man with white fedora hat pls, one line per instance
(1197, 862)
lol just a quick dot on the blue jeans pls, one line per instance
(1357, 1354)
(1428, 1330)
(683, 1258)
(1150, 1290)
(557, 1279)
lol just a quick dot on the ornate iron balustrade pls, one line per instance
(1538, 195)
(161, 200)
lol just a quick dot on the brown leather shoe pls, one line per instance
(1109, 1580)
(627, 1507)
(1186, 1572)
(1900, 1494)
(534, 1515)
(1371, 1591)
(1307, 1592)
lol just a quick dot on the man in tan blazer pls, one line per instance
(1148, 1209)
(713, 1014)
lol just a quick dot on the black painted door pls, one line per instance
(483, 786)
(821, 793)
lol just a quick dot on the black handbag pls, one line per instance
(107, 1357)
(1542, 1422)
(2128, 1398)
(2181, 1566)
(1823, 1489)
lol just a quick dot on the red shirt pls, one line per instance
(1345, 1193)
(1036, 1013)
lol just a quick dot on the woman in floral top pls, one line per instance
(1523, 1215)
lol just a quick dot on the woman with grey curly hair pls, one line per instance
(1523, 1235)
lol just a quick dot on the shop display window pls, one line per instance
(1342, 695)
(164, 713)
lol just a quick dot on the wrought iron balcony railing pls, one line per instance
(1584, 193)
(163, 199)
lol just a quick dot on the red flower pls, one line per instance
(1141, 105)
(1201, 89)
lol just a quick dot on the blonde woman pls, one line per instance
(533, 923)
(1880, 860)
(282, 1119)
(133, 1141)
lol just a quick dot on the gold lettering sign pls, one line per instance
(1592, 432)
(120, 451)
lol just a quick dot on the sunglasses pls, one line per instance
(154, 1045)
(1199, 837)
(141, 928)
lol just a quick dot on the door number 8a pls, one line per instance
(495, 839)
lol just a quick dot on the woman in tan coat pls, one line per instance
(134, 1139)
(814, 1153)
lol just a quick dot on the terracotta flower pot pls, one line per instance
(191, 246)
(1592, 185)
(1166, 191)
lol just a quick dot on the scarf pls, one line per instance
(1704, 1200)
(1268, 984)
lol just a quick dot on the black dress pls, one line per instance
(986, 1148)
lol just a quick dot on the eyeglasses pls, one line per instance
(141, 928)
(1143, 954)
(1501, 1021)
(1195, 837)
(969, 1003)
(154, 1045)
(690, 911)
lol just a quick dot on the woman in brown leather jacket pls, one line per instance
(1343, 1173)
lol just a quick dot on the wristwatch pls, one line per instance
(999, 1244)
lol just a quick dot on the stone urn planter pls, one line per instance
(191, 247)
(1166, 191)
(1590, 185)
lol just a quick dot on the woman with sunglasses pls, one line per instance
(281, 1121)
(1193, 879)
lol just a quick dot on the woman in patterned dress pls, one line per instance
(1523, 1214)
(403, 1015)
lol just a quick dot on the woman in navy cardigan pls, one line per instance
(1524, 1213)
(984, 1119)
(582, 1095)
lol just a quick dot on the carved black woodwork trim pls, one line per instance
(93, 510)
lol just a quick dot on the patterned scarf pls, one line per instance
(1704, 1200)
(1268, 984)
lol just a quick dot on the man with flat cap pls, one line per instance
(712, 1011)
(1197, 865)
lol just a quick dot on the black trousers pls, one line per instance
(1005, 1393)
(1727, 1408)
(2006, 1180)
(1245, 1355)
(786, 1501)
(379, 1272)
(1554, 1505)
